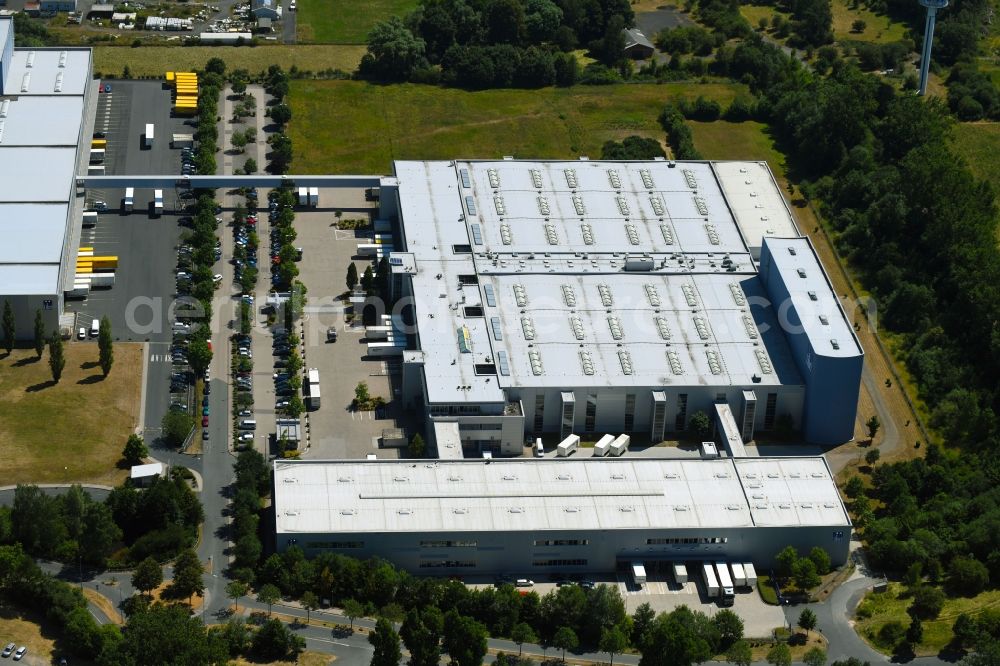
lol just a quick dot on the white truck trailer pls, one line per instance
(183, 141)
(303, 196)
(90, 218)
(680, 573)
(314, 197)
(620, 445)
(147, 137)
(158, 202)
(129, 198)
(603, 446)
(711, 583)
(638, 574)
(739, 576)
(97, 156)
(751, 574)
(727, 593)
(568, 446)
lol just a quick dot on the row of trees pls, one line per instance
(276, 84)
(57, 356)
(253, 481)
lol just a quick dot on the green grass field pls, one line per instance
(73, 430)
(878, 609)
(879, 29)
(355, 127)
(979, 144)
(156, 60)
(342, 22)
(722, 140)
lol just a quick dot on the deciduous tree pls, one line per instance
(39, 334)
(57, 357)
(385, 640)
(147, 576)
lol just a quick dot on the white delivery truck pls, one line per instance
(751, 574)
(313, 399)
(158, 202)
(97, 156)
(95, 170)
(129, 198)
(147, 138)
(603, 446)
(739, 576)
(183, 140)
(90, 218)
(638, 574)
(727, 593)
(620, 445)
(314, 196)
(303, 196)
(680, 574)
(568, 446)
(711, 584)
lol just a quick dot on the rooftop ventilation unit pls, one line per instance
(26, 82)
(571, 178)
(835, 344)
(692, 182)
(622, 206)
(714, 362)
(4, 108)
(812, 296)
(626, 361)
(543, 206)
(588, 234)
(535, 359)
(536, 178)
(470, 204)
(713, 234)
(616, 181)
(494, 178)
(577, 327)
(647, 179)
(662, 327)
(652, 295)
(615, 325)
(30, 61)
(763, 361)
(588, 363)
(801, 272)
(737, 292)
(569, 296)
(62, 59)
(668, 234)
(498, 202)
(791, 251)
(823, 319)
(520, 296)
(528, 327)
(3, 123)
(550, 234)
(689, 295)
(505, 236)
(702, 207)
(702, 326)
(578, 205)
(605, 292)
(657, 204)
(751, 328)
(59, 82)
(632, 233)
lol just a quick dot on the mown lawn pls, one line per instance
(343, 22)
(979, 144)
(355, 127)
(722, 140)
(157, 60)
(880, 29)
(876, 610)
(73, 430)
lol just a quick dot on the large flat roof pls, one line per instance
(757, 203)
(316, 496)
(521, 266)
(32, 233)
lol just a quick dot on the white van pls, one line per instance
(248, 424)
(95, 328)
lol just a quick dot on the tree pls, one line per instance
(8, 327)
(821, 559)
(239, 141)
(786, 560)
(353, 610)
(642, 620)
(175, 427)
(730, 627)
(385, 640)
(418, 448)
(968, 575)
(160, 630)
(199, 356)
(368, 279)
(39, 334)
(700, 424)
(807, 620)
(854, 487)
(235, 590)
(805, 574)
(274, 642)
(99, 535)
(522, 633)
(250, 166)
(216, 66)
(872, 457)
(394, 53)
(873, 424)
(352, 276)
(310, 602)
(281, 113)
(858, 26)
(147, 576)
(565, 639)
(780, 655)
(814, 657)
(915, 632)
(57, 356)
(268, 594)
(740, 654)
(135, 450)
(362, 397)
(421, 633)
(465, 639)
(613, 641)
(188, 573)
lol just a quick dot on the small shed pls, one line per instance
(289, 430)
(32, 8)
(101, 11)
(264, 9)
(143, 475)
(264, 24)
(637, 45)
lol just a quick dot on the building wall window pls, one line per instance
(680, 423)
(629, 412)
(441, 543)
(561, 542)
(539, 413)
(447, 564)
(666, 541)
(559, 563)
(769, 411)
(339, 545)
(591, 415)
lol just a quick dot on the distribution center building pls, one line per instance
(552, 515)
(45, 109)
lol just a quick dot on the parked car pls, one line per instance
(21, 651)
(8, 650)
(204, 422)
(82, 333)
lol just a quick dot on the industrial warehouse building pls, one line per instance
(559, 515)
(586, 297)
(47, 103)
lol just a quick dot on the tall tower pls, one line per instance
(925, 56)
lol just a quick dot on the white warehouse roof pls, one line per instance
(316, 496)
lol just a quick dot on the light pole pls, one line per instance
(925, 55)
